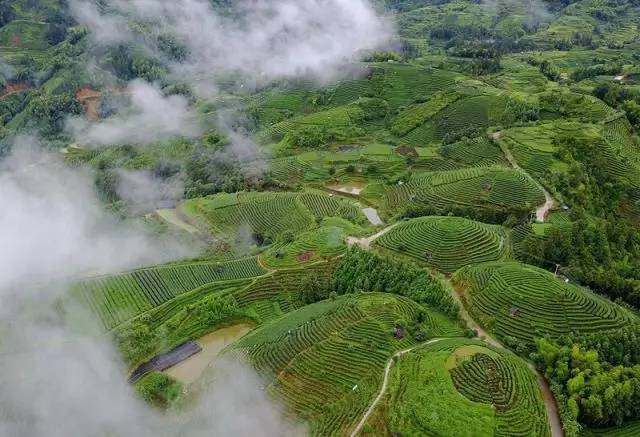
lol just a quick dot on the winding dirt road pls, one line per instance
(549, 202)
(365, 242)
(541, 213)
(547, 396)
(385, 382)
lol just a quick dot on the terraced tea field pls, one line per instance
(454, 386)
(533, 147)
(447, 243)
(342, 116)
(413, 152)
(521, 301)
(270, 214)
(479, 151)
(409, 82)
(24, 34)
(565, 104)
(271, 296)
(482, 187)
(630, 429)
(326, 360)
(326, 241)
(116, 299)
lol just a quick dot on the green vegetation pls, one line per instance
(326, 360)
(360, 271)
(593, 251)
(496, 188)
(627, 430)
(595, 377)
(270, 215)
(453, 386)
(118, 298)
(447, 243)
(455, 134)
(159, 390)
(520, 303)
(324, 242)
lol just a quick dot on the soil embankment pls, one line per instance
(190, 369)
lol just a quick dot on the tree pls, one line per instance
(632, 109)
(56, 33)
(52, 109)
(373, 108)
(310, 137)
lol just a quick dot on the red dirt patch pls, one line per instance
(87, 93)
(303, 257)
(13, 88)
(89, 99)
(16, 41)
(407, 151)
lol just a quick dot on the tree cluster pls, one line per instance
(618, 96)
(596, 378)
(362, 271)
(602, 254)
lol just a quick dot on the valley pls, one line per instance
(339, 218)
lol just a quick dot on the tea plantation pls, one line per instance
(431, 234)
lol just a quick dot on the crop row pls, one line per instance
(502, 395)
(477, 151)
(489, 187)
(326, 360)
(271, 214)
(507, 384)
(118, 298)
(524, 302)
(447, 243)
(279, 292)
(322, 206)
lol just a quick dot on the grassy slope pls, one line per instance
(326, 360)
(442, 390)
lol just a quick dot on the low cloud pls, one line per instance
(106, 28)
(253, 42)
(145, 192)
(263, 40)
(6, 71)
(233, 392)
(62, 383)
(241, 149)
(536, 11)
(57, 378)
(537, 14)
(150, 116)
(54, 226)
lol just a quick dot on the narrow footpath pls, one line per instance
(547, 396)
(549, 202)
(385, 381)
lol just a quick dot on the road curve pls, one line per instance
(549, 202)
(385, 381)
(365, 242)
(547, 396)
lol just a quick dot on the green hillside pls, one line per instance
(524, 302)
(447, 243)
(408, 230)
(326, 360)
(480, 388)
